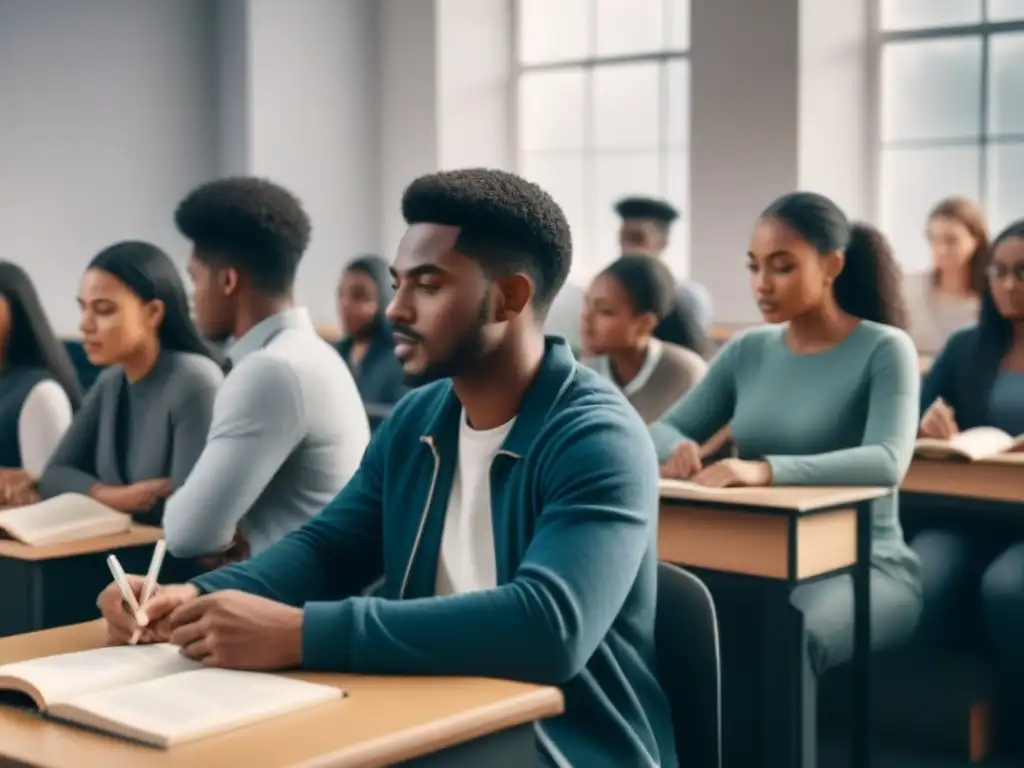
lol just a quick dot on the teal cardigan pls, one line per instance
(574, 494)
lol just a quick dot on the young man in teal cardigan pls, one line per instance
(511, 504)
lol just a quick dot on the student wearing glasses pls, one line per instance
(978, 380)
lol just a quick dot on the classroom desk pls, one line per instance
(999, 479)
(781, 537)
(43, 587)
(410, 721)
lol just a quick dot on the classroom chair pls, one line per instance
(689, 665)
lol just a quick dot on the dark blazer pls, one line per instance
(378, 377)
(962, 375)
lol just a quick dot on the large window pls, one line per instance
(603, 112)
(952, 113)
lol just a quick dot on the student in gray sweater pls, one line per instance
(624, 306)
(144, 422)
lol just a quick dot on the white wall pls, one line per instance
(835, 152)
(313, 105)
(744, 91)
(407, 85)
(107, 117)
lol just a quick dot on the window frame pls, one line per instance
(879, 38)
(661, 57)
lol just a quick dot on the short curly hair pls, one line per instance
(505, 222)
(871, 284)
(249, 223)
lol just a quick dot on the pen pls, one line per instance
(149, 586)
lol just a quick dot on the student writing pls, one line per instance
(511, 502)
(39, 390)
(288, 428)
(978, 380)
(828, 398)
(143, 424)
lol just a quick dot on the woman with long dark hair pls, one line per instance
(144, 422)
(39, 390)
(626, 305)
(978, 381)
(945, 298)
(825, 394)
(363, 294)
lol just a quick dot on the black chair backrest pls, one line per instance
(689, 668)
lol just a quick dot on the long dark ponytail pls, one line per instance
(870, 285)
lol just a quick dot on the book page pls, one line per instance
(169, 711)
(687, 486)
(979, 442)
(58, 678)
(974, 444)
(63, 518)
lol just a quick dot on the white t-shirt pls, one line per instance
(466, 561)
(45, 417)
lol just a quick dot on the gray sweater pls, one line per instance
(126, 432)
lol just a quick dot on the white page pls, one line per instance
(58, 678)
(980, 442)
(66, 517)
(196, 703)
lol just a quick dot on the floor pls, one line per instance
(835, 756)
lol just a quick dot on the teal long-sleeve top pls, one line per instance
(844, 416)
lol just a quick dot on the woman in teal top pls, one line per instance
(978, 380)
(831, 398)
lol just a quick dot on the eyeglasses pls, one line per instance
(999, 272)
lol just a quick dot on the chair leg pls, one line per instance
(809, 716)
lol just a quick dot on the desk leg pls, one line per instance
(512, 748)
(783, 703)
(861, 731)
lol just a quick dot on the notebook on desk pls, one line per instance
(64, 518)
(154, 695)
(974, 444)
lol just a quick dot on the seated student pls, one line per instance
(978, 380)
(945, 297)
(363, 294)
(288, 427)
(624, 305)
(38, 387)
(555, 584)
(645, 229)
(830, 398)
(143, 424)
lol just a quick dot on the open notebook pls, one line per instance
(64, 518)
(971, 444)
(154, 695)
(687, 486)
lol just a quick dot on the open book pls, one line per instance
(153, 694)
(687, 486)
(64, 518)
(971, 444)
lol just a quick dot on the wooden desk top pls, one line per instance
(999, 479)
(383, 720)
(797, 499)
(137, 535)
